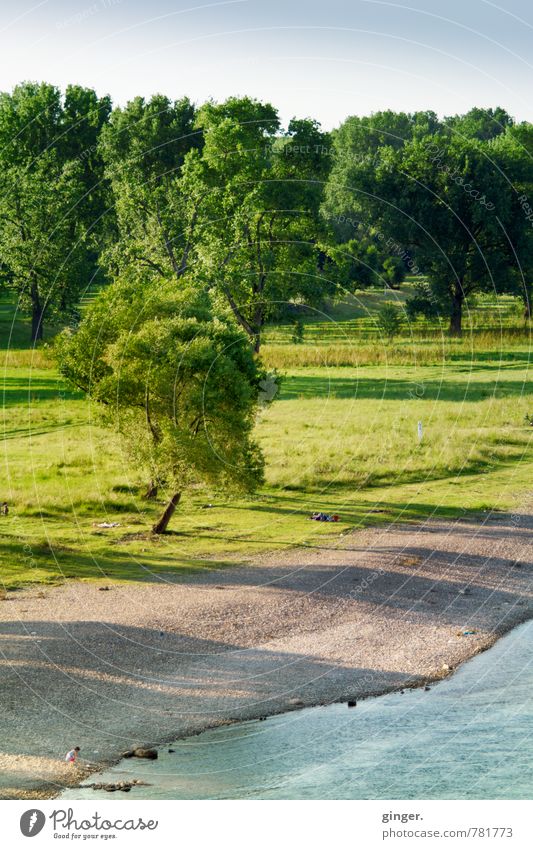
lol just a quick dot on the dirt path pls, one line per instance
(143, 663)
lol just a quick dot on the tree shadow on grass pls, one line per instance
(354, 512)
(56, 563)
(392, 389)
(401, 515)
(492, 357)
(330, 498)
(118, 558)
(30, 431)
(29, 388)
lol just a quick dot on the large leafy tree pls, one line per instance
(258, 193)
(51, 196)
(452, 201)
(358, 255)
(42, 242)
(522, 135)
(177, 378)
(144, 148)
(84, 116)
(355, 258)
(222, 197)
(363, 137)
(30, 122)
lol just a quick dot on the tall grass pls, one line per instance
(481, 347)
(27, 358)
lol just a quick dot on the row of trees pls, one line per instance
(156, 191)
(220, 195)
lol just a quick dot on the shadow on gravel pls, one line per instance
(108, 688)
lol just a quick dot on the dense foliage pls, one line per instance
(222, 198)
(52, 197)
(449, 196)
(177, 378)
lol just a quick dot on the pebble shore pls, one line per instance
(145, 663)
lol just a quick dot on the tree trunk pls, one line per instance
(151, 490)
(161, 526)
(258, 325)
(527, 306)
(37, 315)
(456, 314)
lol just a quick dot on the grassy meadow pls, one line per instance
(341, 437)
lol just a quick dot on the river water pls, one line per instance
(469, 737)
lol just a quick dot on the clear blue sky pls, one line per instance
(325, 59)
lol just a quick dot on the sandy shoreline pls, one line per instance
(142, 664)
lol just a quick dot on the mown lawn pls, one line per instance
(338, 439)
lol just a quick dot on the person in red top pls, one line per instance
(72, 756)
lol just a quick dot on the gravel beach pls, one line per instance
(109, 667)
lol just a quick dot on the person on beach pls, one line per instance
(72, 756)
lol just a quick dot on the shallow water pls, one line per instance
(470, 736)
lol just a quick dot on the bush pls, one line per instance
(390, 320)
(298, 331)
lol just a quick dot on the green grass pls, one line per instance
(339, 439)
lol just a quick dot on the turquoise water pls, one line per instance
(470, 736)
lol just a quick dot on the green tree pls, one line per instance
(144, 147)
(481, 124)
(221, 197)
(258, 193)
(522, 135)
(50, 196)
(177, 378)
(83, 118)
(30, 122)
(360, 138)
(452, 202)
(361, 262)
(359, 144)
(298, 331)
(42, 243)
